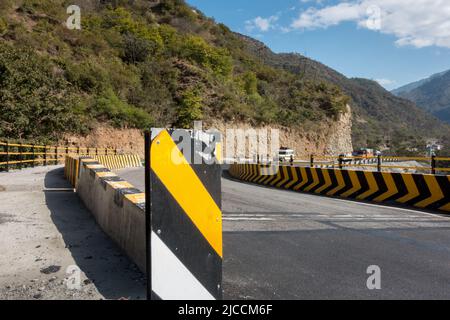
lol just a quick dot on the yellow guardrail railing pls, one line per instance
(432, 164)
(18, 155)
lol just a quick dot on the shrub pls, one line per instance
(109, 107)
(35, 99)
(250, 83)
(3, 26)
(190, 108)
(198, 50)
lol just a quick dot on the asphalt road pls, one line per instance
(286, 245)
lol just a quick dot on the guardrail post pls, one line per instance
(7, 156)
(433, 164)
(115, 151)
(19, 149)
(33, 155)
(291, 161)
(379, 163)
(45, 155)
(257, 159)
(78, 150)
(311, 161)
(340, 160)
(56, 154)
(96, 151)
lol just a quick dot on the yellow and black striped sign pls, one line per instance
(184, 218)
(419, 190)
(119, 161)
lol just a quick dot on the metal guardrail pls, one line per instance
(374, 162)
(19, 155)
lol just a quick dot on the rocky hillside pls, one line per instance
(431, 94)
(136, 64)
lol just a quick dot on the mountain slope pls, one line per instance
(380, 118)
(138, 64)
(414, 85)
(432, 94)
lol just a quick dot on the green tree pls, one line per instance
(190, 108)
(35, 100)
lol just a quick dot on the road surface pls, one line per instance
(45, 230)
(285, 245)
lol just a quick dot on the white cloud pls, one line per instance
(261, 24)
(385, 82)
(419, 23)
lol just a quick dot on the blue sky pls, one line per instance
(392, 41)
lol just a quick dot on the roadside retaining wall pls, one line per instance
(117, 206)
(418, 190)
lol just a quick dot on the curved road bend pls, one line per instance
(285, 245)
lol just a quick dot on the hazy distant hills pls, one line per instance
(380, 117)
(431, 94)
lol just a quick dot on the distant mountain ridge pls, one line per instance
(431, 94)
(414, 85)
(380, 117)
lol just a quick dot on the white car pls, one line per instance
(285, 155)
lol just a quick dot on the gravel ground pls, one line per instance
(46, 231)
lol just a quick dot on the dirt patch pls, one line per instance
(124, 140)
(2, 188)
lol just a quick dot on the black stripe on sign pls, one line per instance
(246, 172)
(309, 178)
(334, 182)
(273, 176)
(283, 177)
(382, 188)
(290, 177)
(401, 187)
(321, 179)
(179, 233)
(363, 182)
(255, 171)
(445, 188)
(422, 187)
(347, 182)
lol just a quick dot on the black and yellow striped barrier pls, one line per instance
(418, 190)
(184, 217)
(21, 155)
(112, 162)
(71, 169)
(120, 161)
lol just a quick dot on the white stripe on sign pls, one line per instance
(171, 280)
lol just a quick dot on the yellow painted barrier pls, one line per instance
(419, 190)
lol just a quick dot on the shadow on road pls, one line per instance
(103, 263)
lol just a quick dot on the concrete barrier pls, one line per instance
(112, 162)
(117, 206)
(178, 236)
(419, 190)
(71, 169)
